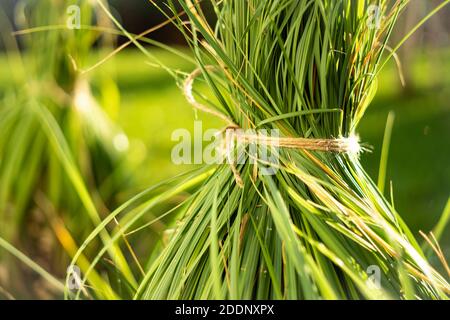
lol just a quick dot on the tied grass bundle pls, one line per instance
(320, 226)
(307, 68)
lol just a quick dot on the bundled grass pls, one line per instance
(317, 228)
(61, 158)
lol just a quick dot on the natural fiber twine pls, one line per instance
(348, 145)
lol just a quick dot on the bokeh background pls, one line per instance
(152, 106)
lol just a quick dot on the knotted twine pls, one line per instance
(348, 145)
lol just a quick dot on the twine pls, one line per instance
(349, 145)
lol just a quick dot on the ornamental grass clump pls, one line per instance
(319, 228)
(62, 160)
